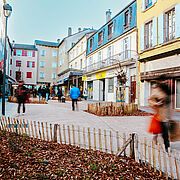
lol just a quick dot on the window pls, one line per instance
(81, 46)
(109, 54)
(42, 64)
(81, 64)
(10, 61)
(18, 53)
(42, 75)
(54, 65)
(100, 38)
(77, 50)
(18, 63)
(60, 63)
(29, 53)
(111, 85)
(29, 75)
(125, 48)
(91, 44)
(54, 53)
(170, 25)
(148, 3)
(53, 75)
(126, 19)
(148, 35)
(10, 72)
(42, 52)
(18, 75)
(29, 64)
(110, 31)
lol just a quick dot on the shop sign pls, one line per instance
(84, 78)
(101, 75)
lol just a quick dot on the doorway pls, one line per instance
(133, 89)
(102, 89)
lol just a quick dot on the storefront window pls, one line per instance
(111, 85)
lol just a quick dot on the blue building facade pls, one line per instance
(117, 26)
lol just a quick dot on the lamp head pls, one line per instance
(7, 10)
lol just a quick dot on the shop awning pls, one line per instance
(63, 78)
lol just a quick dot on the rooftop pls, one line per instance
(25, 46)
(46, 43)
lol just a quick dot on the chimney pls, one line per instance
(79, 29)
(108, 15)
(58, 40)
(69, 31)
(13, 42)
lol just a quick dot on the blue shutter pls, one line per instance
(161, 28)
(177, 21)
(129, 47)
(142, 5)
(142, 38)
(155, 31)
(154, 1)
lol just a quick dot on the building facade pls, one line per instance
(47, 62)
(159, 46)
(113, 48)
(25, 63)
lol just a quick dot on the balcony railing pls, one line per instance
(127, 57)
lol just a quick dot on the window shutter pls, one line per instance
(142, 38)
(33, 54)
(129, 47)
(177, 21)
(27, 63)
(33, 64)
(123, 49)
(154, 1)
(155, 31)
(161, 28)
(142, 5)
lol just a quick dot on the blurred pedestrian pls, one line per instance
(85, 94)
(74, 94)
(160, 102)
(59, 94)
(43, 93)
(39, 93)
(47, 93)
(21, 97)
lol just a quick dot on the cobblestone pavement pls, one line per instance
(61, 113)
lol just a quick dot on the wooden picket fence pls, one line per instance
(112, 108)
(107, 141)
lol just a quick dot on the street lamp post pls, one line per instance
(7, 12)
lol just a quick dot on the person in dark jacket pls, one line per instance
(59, 94)
(43, 92)
(47, 93)
(21, 96)
(39, 93)
(74, 94)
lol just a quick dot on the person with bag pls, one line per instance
(21, 93)
(160, 102)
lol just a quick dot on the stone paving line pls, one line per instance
(61, 113)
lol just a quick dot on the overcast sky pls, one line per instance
(50, 19)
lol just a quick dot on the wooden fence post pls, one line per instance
(4, 123)
(117, 139)
(47, 133)
(100, 142)
(89, 138)
(9, 124)
(165, 163)
(18, 127)
(35, 130)
(159, 158)
(69, 136)
(60, 137)
(28, 129)
(137, 150)
(12, 125)
(51, 132)
(39, 130)
(74, 143)
(105, 141)
(15, 124)
(22, 130)
(64, 133)
(132, 152)
(177, 171)
(170, 164)
(94, 139)
(145, 149)
(154, 158)
(111, 142)
(84, 138)
(55, 133)
(24, 123)
(124, 140)
(32, 130)
(79, 140)
(42, 124)
(149, 151)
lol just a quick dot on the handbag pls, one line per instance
(155, 125)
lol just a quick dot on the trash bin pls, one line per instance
(63, 99)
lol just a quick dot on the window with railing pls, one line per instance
(169, 25)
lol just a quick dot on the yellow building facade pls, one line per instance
(158, 23)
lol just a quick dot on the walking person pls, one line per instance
(43, 93)
(47, 93)
(60, 94)
(39, 93)
(21, 97)
(85, 94)
(160, 102)
(74, 94)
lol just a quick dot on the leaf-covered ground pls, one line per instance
(24, 158)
